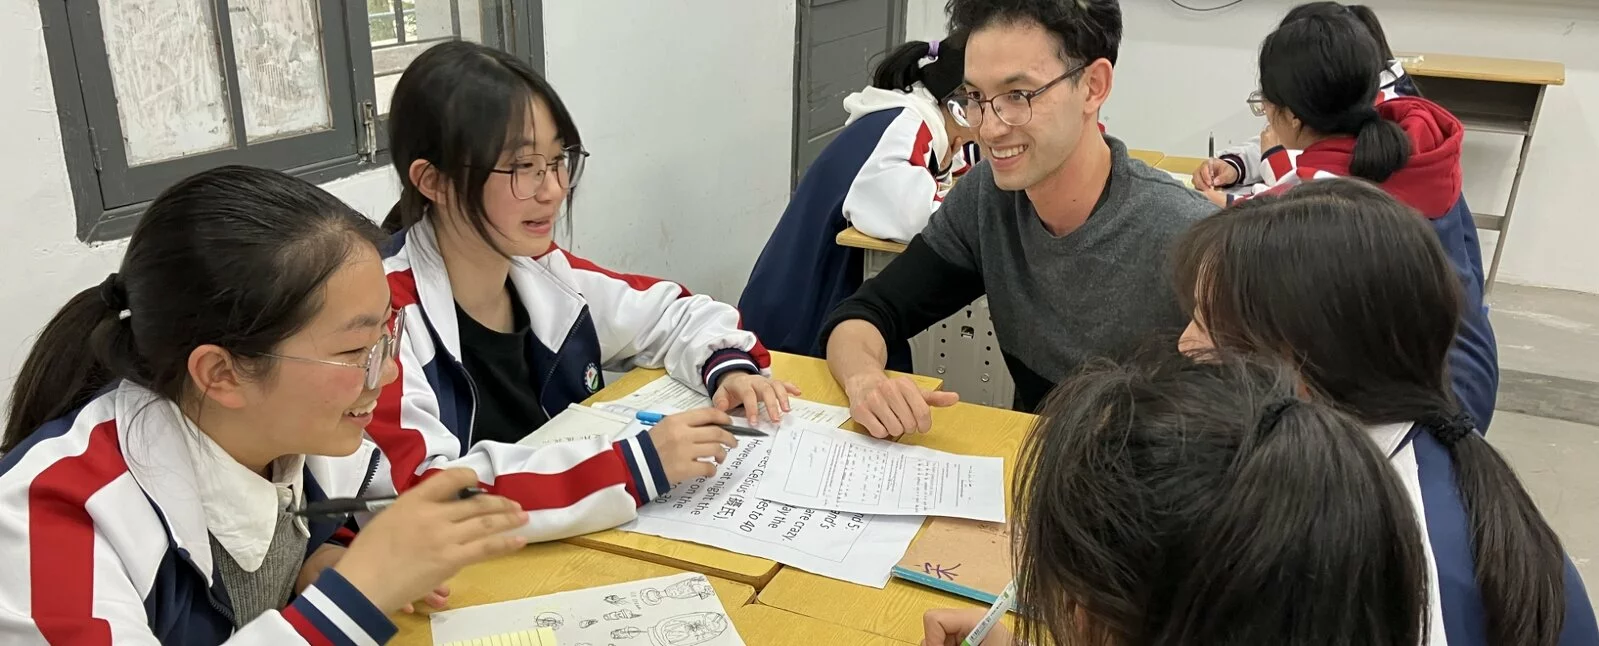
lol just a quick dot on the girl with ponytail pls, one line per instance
(1366, 313)
(1318, 83)
(170, 421)
(884, 173)
(1174, 502)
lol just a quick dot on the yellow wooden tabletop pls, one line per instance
(548, 568)
(896, 610)
(767, 626)
(1480, 68)
(852, 237)
(1183, 165)
(817, 384)
(1150, 157)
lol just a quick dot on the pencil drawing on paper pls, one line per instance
(624, 613)
(550, 620)
(627, 633)
(689, 629)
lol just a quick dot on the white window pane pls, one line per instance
(167, 74)
(426, 23)
(277, 45)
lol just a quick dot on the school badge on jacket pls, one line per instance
(591, 376)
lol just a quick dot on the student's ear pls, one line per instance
(216, 376)
(429, 181)
(1098, 77)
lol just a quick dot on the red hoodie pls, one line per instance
(1430, 182)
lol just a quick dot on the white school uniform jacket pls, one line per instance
(1264, 168)
(584, 319)
(901, 179)
(105, 541)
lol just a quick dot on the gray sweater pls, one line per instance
(1056, 302)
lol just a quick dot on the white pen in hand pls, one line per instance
(1002, 605)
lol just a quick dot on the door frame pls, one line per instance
(898, 9)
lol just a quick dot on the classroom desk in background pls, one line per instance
(548, 568)
(1493, 95)
(767, 626)
(1180, 165)
(896, 610)
(816, 384)
(1151, 157)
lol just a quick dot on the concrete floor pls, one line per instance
(1548, 420)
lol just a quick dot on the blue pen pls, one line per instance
(649, 418)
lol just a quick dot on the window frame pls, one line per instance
(108, 195)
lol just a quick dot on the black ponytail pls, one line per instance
(1325, 69)
(233, 256)
(901, 69)
(1373, 337)
(1179, 502)
(1381, 149)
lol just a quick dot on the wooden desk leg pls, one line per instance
(1515, 188)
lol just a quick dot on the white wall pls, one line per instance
(1183, 75)
(688, 110)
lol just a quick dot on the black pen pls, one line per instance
(649, 418)
(1212, 146)
(334, 507)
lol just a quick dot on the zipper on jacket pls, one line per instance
(471, 421)
(371, 472)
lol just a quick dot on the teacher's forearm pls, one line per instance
(856, 348)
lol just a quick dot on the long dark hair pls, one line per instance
(460, 106)
(1326, 70)
(234, 256)
(1359, 12)
(902, 68)
(1368, 313)
(1180, 502)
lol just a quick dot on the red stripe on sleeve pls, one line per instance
(303, 626)
(639, 282)
(61, 540)
(537, 491)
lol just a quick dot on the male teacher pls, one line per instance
(1064, 232)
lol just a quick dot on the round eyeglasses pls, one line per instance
(1257, 103)
(1014, 108)
(386, 348)
(528, 171)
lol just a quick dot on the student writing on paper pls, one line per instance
(1318, 77)
(169, 420)
(1060, 228)
(1178, 502)
(504, 327)
(1262, 160)
(885, 173)
(1351, 286)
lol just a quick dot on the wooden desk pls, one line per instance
(767, 626)
(1151, 157)
(812, 377)
(547, 568)
(1497, 95)
(1180, 165)
(896, 611)
(852, 237)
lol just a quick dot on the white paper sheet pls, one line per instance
(668, 394)
(819, 466)
(678, 610)
(578, 422)
(723, 511)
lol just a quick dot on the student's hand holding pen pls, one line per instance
(1214, 173)
(410, 548)
(684, 439)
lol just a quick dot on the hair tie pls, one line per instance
(1274, 413)
(932, 49)
(115, 296)
(1452, 429)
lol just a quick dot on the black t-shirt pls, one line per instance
(507, 392)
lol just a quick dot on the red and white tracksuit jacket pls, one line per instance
(105, 540)
(584, 319)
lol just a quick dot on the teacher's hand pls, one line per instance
(891, 407)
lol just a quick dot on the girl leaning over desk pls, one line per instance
(505, 329)
(168, 421)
